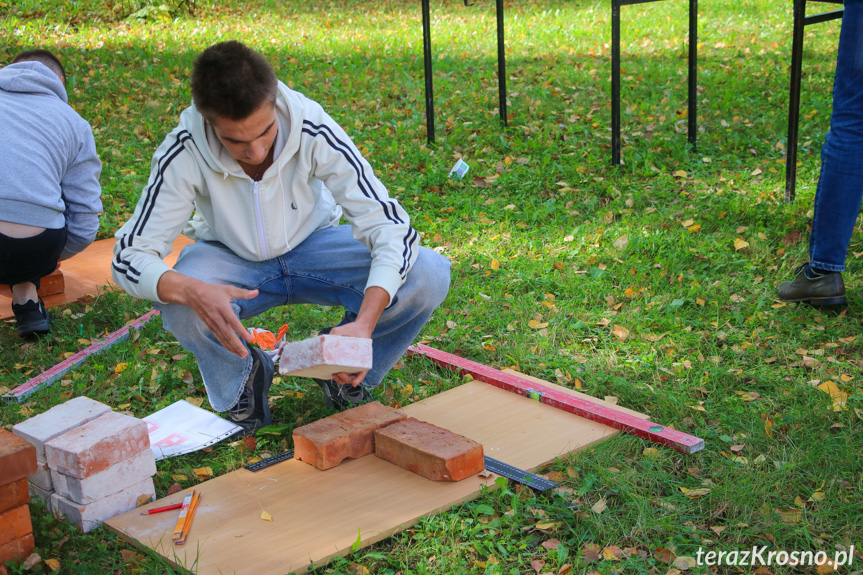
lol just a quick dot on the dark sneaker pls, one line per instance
(252, 412)
(341, 397)
(32, 318)
(815, 288)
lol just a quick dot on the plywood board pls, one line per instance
(85, 274)
(318, 515)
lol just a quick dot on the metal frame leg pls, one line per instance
(692, 125)
(615, 82)
(427, 60)
(794, 98)
(501, 63)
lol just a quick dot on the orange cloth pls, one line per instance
(265, 339)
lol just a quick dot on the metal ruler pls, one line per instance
(518, 475)
(491, 464)
(278, 458)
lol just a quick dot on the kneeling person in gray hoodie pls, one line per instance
(49, 181)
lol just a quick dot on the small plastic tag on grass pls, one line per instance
(460, 169)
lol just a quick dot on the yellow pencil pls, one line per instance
(181, 520)
(193, 506)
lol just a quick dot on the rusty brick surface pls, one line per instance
(17, 458)
(17, 550)
(347, 434)
(428, 450)
(14, 494)
(15, 524)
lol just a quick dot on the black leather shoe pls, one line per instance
(341, 397)
(32, 318)
(252, 411)
(813, 288)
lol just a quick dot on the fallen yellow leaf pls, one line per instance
(495, 264)
(838, 396)
(120, 367)
(203, 472)
(53, 564)
(739, 244)
(266, 516)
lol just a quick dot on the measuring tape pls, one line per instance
(491, 464)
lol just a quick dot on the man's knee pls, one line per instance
(432, 274)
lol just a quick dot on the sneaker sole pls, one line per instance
(818, 301)
(40, 329)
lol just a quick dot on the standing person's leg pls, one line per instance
(24, 261)
(840, 185)
(234, 384)
(331, 268)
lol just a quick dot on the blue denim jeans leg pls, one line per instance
(840, 185)
(329, 268)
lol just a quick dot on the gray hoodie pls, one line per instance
(49, 170)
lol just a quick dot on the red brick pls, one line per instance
(348, 434)
(429, 450)
(17, 458)
(15, 524)
(17, 550)
(96, 445)
(52, 284)
(325, 355)
(14, 494)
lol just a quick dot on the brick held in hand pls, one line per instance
(428, 450)
(348, 434)
(322, 356)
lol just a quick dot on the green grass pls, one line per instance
(543, 230)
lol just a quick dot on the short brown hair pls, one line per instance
(45, 57)
(230, 80)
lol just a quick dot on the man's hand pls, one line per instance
(212, 303)
(375, 301)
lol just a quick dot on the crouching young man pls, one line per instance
(268, 175)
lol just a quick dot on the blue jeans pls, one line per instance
(328, 268)
(840, 186)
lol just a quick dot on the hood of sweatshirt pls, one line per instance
(32, 78)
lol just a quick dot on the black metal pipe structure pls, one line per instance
(501, 64)
(692, 90)
(427, 61)
(797, 35)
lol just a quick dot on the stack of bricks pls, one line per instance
(425, 449)
(17, 461)
(94, 464)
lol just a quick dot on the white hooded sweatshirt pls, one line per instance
(317, 175)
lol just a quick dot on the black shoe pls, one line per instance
(252, 412)
(341, 397)
(32, 318)
(812, 287)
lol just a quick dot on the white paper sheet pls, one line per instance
(183, 428)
